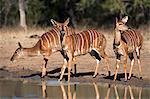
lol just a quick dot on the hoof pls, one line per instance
(94, 76)
(59, 80)
(125, 80)
(129, 78)
(43, 76)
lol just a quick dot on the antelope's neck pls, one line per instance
(31, 51)
(117, 37)
(63, 43)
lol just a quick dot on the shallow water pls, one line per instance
(60, 90)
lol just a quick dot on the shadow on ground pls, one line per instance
(58, 70)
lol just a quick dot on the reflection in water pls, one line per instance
(65, 96)
(70, 96)
(44, 92)
(116, 92)
(96, 90)
(125, 92)
(61, 90)
(108, 92)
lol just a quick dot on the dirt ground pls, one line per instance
(30, 67)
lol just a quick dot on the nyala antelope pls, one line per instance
(48, 43)
(126, 42)
(89, 41)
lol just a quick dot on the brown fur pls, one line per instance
(126, 42)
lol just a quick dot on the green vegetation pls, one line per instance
(83, 12)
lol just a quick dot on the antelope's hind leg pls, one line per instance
(139, 63)
(131, 56)
(47, 54)
(105, 57)
(98, 58)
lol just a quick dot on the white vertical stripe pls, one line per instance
(47, 40)
(82, 39)
(50, 42)
(90, 39)
(54, 39)
(42, 43)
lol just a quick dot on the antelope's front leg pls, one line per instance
(117, 65)
(63, 69)
(75, 66)
(63, 52)
(44, 68)
(125, 66)
(69, 65)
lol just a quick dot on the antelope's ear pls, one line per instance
(125, 19)
(53, 22)
(20, 46)
(67, 21)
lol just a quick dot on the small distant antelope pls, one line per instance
(126, 42)
(89, 41)
(48, 43)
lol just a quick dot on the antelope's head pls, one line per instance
(121, 24)
(62, 27)
(18, 53)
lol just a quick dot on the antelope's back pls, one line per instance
(50, 39)
(84, 41)
(132, 38)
